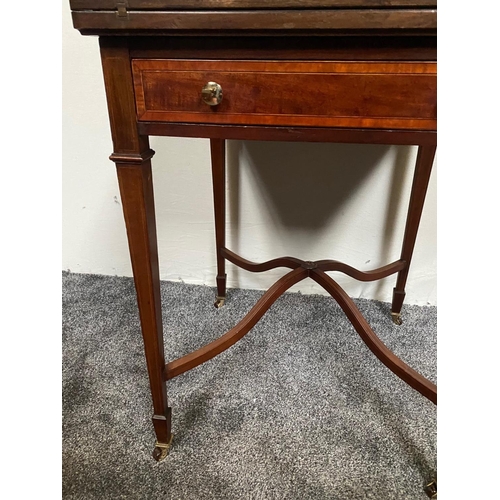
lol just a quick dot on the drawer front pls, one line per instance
(283, 93)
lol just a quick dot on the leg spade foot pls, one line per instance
(396, 318)
(161, 450)
(431, 489)
(219, 302)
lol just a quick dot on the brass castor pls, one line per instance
(396, 318)
(161, 450)
(431, 489)
(219, 302)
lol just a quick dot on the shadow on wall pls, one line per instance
(305, 185)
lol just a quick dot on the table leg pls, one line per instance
(218, 154)
(136, 190)
(423, 168)
(132, 157)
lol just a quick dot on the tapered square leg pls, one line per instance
(218, 154)
(423, 168)
(136, 190)
(132, 157)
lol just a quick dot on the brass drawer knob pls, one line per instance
(212, 94)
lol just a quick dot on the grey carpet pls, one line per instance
(298, 409)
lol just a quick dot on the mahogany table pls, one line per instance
(350, 71)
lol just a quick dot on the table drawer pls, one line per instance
(285, 93)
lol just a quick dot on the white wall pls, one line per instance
(312, 201)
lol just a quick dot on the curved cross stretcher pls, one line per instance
(315, 270)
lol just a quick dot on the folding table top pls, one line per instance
(254, 16)
(249, 4)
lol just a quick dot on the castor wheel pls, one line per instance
(161, 450)
(396, 318)
(219, 302)
(431, 489)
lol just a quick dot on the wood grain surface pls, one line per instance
(246, 4)
(337, 94)
(98, 22)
